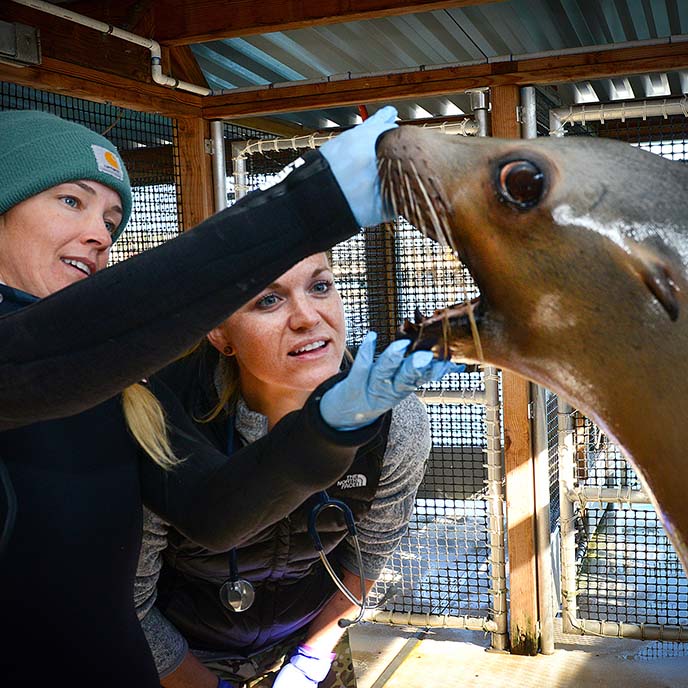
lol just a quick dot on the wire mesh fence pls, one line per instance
(384, 274)
(146, 144)
(626, 568)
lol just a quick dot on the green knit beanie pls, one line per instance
(39, 150)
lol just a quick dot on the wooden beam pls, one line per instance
(182, 22)
(518, 454)
(82, 46)
(194, 192)
(81, 82)
(278, 127)
(442, 81)
(184, 66)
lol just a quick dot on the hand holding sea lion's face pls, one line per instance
(579, 248)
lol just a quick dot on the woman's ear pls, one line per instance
(218, 339)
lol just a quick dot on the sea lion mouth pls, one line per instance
(420, 200)
(445, 326)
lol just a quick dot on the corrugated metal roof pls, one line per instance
(513, 27)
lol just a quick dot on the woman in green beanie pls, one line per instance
(74, 336)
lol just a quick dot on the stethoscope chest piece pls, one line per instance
(237, 595)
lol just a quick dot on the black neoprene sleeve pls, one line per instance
(89, 341)
(220, 501)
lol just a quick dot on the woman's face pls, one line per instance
(58, 237)
(290, 337)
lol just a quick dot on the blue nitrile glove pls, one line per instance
(352, 158)
(373, 387)
(306, 668)
(221, 683)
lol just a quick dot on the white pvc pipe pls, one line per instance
(239, 169)
(466, 127)
(599, 112)
(470, 396)
(615, 495)
(154, 47)
(615, 629)
(430, 620)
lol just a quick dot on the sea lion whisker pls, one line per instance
(474, 332)
(410, 207)
(437, 225)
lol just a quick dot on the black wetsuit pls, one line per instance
(68, 564)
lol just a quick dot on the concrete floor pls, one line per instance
(402, 657)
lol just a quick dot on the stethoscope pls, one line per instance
(237, 594)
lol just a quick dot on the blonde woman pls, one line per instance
(74, 335)
(260, 366)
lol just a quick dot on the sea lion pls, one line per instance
(579, 247)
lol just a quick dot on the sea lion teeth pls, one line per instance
(568, 228)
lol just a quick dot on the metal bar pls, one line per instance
(600, 112)
(529, 113)
(568, 529)
(239, 170)
(480, 106)
(613, 495)
(446, 397)
(542, 519)
(495, 510)
(430, 620)
(615, 629)
(219, 165)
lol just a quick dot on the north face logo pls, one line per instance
(350, 481)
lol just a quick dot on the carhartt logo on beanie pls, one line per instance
(108, 162)
(39, 150)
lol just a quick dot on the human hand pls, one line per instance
(306, 668)
(221, 683)
(373, 387)
(352, 159)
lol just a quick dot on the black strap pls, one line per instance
(11, 509)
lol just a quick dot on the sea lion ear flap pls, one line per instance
(657, 267)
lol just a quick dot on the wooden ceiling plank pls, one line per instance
(433, 82)
(81, 82)
(183, 65)
(71, 42)
(183, 22)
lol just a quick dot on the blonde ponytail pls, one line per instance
(145, 419)
(227, 382)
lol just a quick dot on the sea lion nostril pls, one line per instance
(521, 183)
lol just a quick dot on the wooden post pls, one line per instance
(518, 455)
(195, 188)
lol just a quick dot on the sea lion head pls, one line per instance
(579, 247)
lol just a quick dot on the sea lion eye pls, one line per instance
(521, 183)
